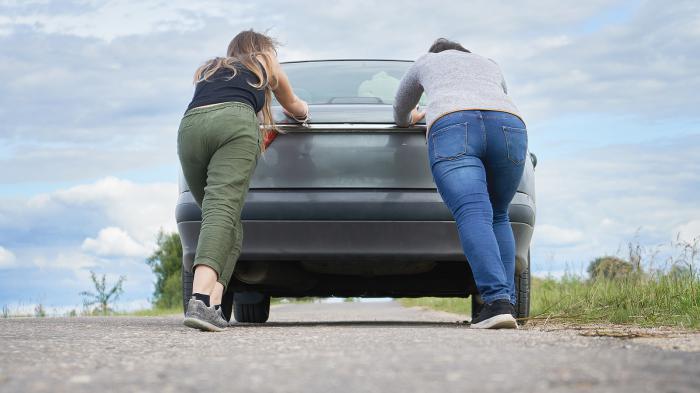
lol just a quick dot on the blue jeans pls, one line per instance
(477, 160)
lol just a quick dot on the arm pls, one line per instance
(503, 80)
(292, 104)
(503, 84)
(407, 97)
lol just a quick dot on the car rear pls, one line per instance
(346, 206)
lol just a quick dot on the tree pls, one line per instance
(609, 268)
(103, 297)
(166, 263)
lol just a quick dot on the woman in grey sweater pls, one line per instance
(477, 144)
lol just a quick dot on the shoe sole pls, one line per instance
(503, 321)
(201, 325)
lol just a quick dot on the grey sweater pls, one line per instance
(453, 81)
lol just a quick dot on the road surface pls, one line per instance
(342, 347)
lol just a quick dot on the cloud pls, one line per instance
(689, 231)
(112, 241)
(100, 225)
(140, 210)
(553, 236)
(113, 19)
(69, 260)
(7, 258)
(594, 202)
(108, 226)
(113, 92)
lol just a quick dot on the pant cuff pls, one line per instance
(491, 299)
(222, 282)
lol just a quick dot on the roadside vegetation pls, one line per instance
(98, 302)
(635, 289)
(166, 263)
(631, 290)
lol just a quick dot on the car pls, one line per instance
(345, 205)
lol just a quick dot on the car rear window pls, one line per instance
(347, 81)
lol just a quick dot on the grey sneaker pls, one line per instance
(199, 316)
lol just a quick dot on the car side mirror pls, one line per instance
(533, 158)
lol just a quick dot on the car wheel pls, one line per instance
(477, 305)
(251, 307)
(522, 293)
(187, 278)
(227, 305)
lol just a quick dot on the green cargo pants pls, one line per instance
(218, 147)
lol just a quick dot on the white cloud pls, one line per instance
(108, 224)
(7, 258)
(113, 19)
(553, 236)
(594, 202)
(112, 241)
(70, 260)
(689, 231)
(643, 65)
(141, 210)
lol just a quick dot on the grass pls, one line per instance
(634, 291)
(640, 300)
(449, 304)
(664, 300)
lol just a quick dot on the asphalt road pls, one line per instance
(346, 347)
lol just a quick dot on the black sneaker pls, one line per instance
(496, 315)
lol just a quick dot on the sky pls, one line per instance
(91, 94)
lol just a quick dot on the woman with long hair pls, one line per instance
(477, 146)
(219, 141)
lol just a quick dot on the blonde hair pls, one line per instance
(247, 48)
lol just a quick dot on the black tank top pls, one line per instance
(220, 87)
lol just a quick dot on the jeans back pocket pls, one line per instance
(450, 142)
(516, 144)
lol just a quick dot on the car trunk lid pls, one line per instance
(346, 146)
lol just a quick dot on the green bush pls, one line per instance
(610, 268)
(166, 263)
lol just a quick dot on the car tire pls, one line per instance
(477, 305)
(251, 307)
(187, 279)
(227, 305)
(522, 293)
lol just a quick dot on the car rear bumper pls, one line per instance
(405, 226)
(349, 205)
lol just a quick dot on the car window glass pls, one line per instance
(347, 82)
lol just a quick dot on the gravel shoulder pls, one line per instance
(343, 347)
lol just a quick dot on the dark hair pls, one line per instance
(442, 44)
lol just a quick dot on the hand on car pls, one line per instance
(301, 119)
(416, 116)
